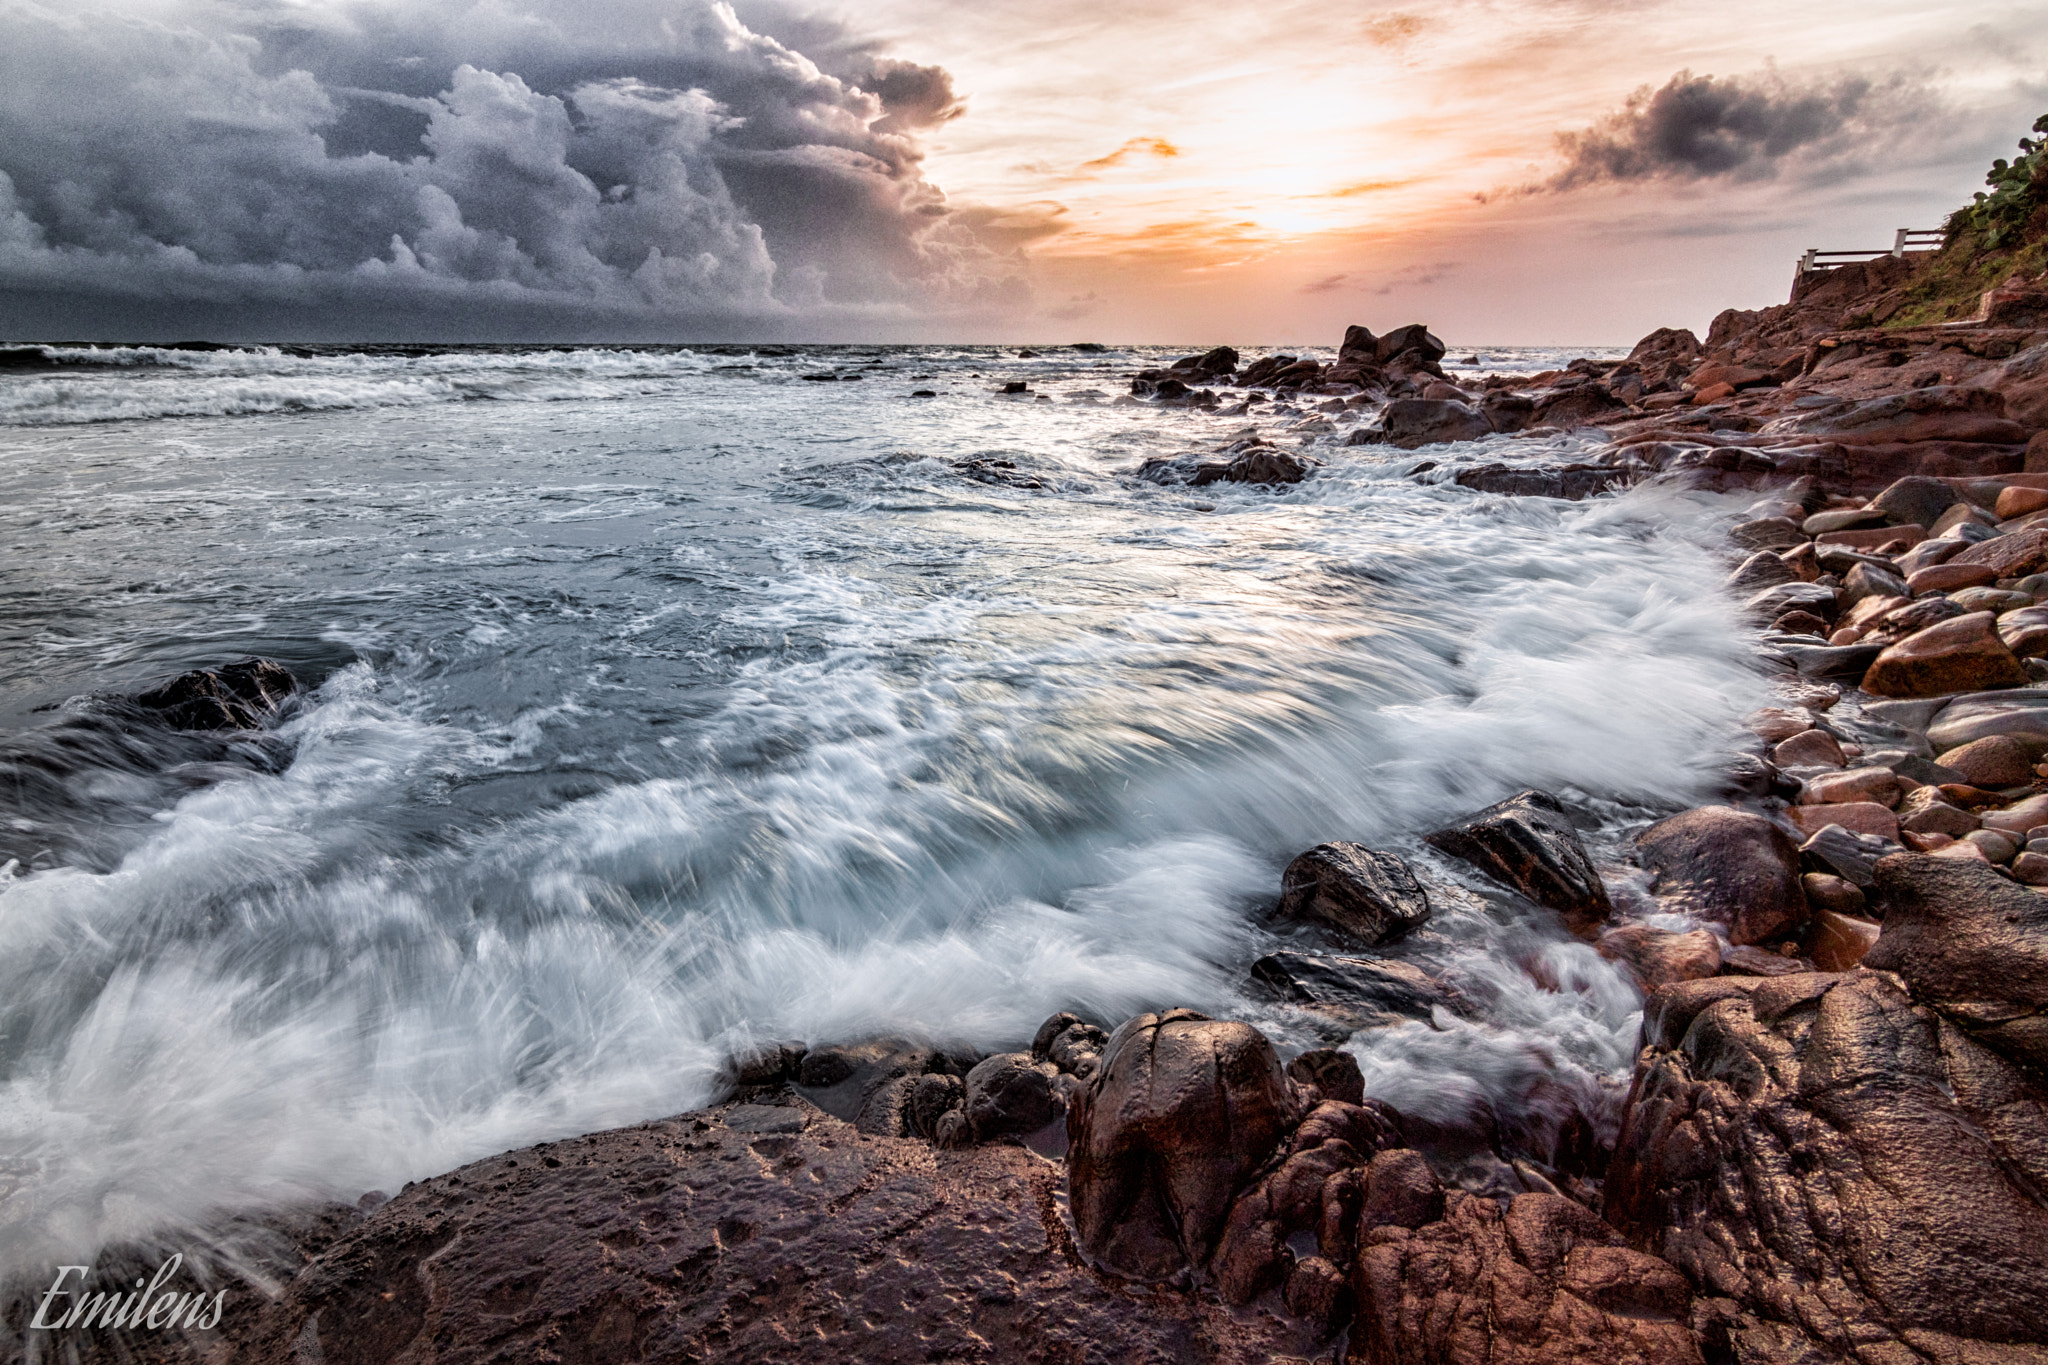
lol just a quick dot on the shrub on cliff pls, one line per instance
(1995, 237)
(2018, 189)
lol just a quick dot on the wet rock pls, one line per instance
(1950, 578)
(1745, 959)
(1937, 413)
(1925, 811)
(1842, 519)
(1809, 748)
(1867, 581)
(1761, 570)
(1578, 406)
(2014, 555)
(1727, 866)
(1570, 482)
(1072, 1045)
(1007, 1095)
(1659, 957)
(1413, 340)
(748, 1232)
(2019, 817)
(1860, 817)
(1831, 661)
(1335, 1075)
(1266, 465)
(1179, 1114)
(1962, 655)
(1508, 412)
(2021, 713)
(1826, 892)
(1800, 623)
(1319, 1293)
(1411, 423)
(927, 1100)
(1400, 1191)
(867, 1084)
(1880, 785)
(1836, 942)
(1916, 499)
(1993, 761)
(1849, 1171)
(1899, 622)
(1366, 896)
(1546, 1281)
(1529, 843)
(245, 695)
(1974, 946)
(1768, 533)
(1360, 992)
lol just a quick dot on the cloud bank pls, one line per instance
(371, 169)
(1743, 128)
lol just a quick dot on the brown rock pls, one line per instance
(1800, 623)
(1838, 942)
(1180, 1112)
(1926, 811)
(1857, 784)
(1809, 748)
(1950, 578)
(1714, 393)
(1364, 895)
(1962, 655)
(1528, 842)
(2019, 817)
(1400, 1191)
(1836, 895)
(1775, 724)
(1659, 957)
(2018, 502)
(747, 1232)
(1994, 761)
(1873, 538)
(1974, 945)
(1544, 1282)
(1728, 866)
(1849, 1171)
(2013, 555)
(1858, 817)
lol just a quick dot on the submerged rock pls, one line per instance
(1528, 842)
(1364, 895)
(1360, 992)
(245, 695)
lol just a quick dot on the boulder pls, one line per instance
(1544, 1282)
(1960, 655)
(1726, 866)
(1073, 1046)
(1414, 341)
(1570, 482)
(1847, 853)
(1858, 817)
(1411, 423)
(2021, 713)
(1180, 1113)
(1915, 500)
(1578, 406)
(1993, 761)
(1359, 992)
(1007, 1095)
(1261, 371)
(1829, 894)
(1925, 811)
(1973, 945)
(1267, 465)
(1359, 345)
(244, 695)
(1528, 842)
(1880, 785)
(1333, 1074)
(1866, 581)
(1809, 748)
(1842, 519)
(1950, 577)
(1508, 412)
(1366, 896)
(1659, 957)
(1853, 1175)
(1836, 942)
(2014, 555)
(1761, 570)
(1768, 533)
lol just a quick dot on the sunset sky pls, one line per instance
(1509, 171)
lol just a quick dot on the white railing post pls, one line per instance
(1899, 241)
(1806, 261)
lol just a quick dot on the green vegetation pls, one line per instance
(1989, 240)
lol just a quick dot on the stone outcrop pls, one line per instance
(245, 695)
(1850, 1164)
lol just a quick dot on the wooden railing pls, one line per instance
(1903, 241)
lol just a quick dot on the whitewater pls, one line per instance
(660, 703)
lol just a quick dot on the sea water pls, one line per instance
(663, 702)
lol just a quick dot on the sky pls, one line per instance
(1512, 172)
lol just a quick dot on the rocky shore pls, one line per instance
(1835, 1142)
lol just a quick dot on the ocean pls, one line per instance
(660, 702)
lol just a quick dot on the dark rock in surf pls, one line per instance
(1220, 361)
(1572, 482)
(245, 695)
(1007, 1095)
(1414, 342)
(1411, 423)
(1364, 895)
(1335, 1075)
(1528, 842)
(1072, 1045)
(1180, 1113)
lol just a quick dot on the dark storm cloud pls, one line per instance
(500, 167)
(1700, 127)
